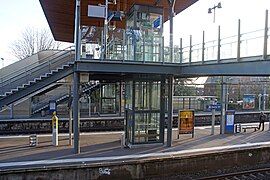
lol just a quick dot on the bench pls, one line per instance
(245, 127)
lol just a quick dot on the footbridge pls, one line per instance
(221, 58)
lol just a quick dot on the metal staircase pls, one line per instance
(37, 76)
(64, 97)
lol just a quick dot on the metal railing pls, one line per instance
(125, 46)
(36, 69)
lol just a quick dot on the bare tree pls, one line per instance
(32, 41)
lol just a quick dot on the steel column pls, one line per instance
(190, 49)
(162, 108)
(105, 31)
(239, 41)
(162, 50)
(89, 105)
(171, 4)
(170, 110)
(76, 78)
(213, 118)
(133, 110)
(203, 48)
(264, 96)
(181, 50)
(223, 99)
(218, 50)
(120, 98)
(70, 120)
(265, 36)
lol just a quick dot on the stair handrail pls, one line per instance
(37, 64)
(45, 104)
(43, 59)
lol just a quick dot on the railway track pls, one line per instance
(112, 123)
(263, 173)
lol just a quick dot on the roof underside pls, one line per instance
(60, 13)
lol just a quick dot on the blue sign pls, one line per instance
(217, 107)
(157, 22)
(214, 106)
(229, 121)
(52, 106)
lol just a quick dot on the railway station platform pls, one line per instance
(105, 146)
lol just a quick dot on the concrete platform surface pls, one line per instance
(106, 146)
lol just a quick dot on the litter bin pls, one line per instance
(33, 140)
(237, 128)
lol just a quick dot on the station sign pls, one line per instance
(186, 121)
(214, 106)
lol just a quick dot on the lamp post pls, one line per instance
(2, 59)
(214, 8)
(2, 66)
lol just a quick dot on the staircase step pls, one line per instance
(14, 90)
(8, 93)
(59, 69)
(25, 85)
(54, 71)
(70, 63)
(48, 74)
(66, 65)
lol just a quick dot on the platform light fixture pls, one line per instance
(214, 8)
(2, 59)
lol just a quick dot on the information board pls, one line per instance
(186, 122)
(229, 118)
(52, 106)
(248, 101)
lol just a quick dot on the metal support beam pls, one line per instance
(203, 48)
(213, 118)
(239, 41)
(76, 78)
(171, 13)
(162, 108)
(264, 96)
(223, 99)
(70, 128)
(133, 111)
(171, 79)
(265, 36)
(120, 98)
(89, 105)
(105, 31)
(218, 48)
(181, 50)
(190, 49)
(170, 110)
(70, 120)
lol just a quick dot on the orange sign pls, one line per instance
(186, 122)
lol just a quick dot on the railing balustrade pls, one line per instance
(134, 45)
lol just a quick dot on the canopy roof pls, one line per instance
(60, 13)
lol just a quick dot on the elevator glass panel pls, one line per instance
(144, 33)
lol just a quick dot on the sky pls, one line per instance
(16, 15)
